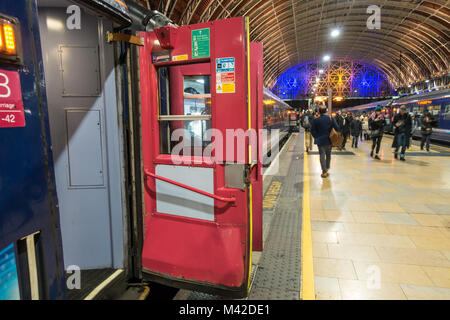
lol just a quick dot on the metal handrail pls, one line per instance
(184, 117)
(224, 199)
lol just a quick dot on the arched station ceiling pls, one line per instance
(412, 44)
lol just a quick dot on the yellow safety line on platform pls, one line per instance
(307, 277)
(102, 285)
(144, 294)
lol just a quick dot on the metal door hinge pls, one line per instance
(247, 173)
(124, 38)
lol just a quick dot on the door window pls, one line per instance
(191, 113)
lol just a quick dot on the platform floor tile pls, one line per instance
(381, 228)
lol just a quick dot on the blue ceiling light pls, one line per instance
(359, 79)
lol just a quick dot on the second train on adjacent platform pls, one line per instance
(276, 117)
(437, 102)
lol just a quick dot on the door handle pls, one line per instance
(224, 199)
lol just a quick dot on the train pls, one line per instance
(437, 102)
(72, 179)
(277, 114)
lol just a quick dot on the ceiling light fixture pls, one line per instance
(335, 33)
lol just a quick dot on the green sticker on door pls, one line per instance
(200, 43)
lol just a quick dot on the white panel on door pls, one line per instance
(80, 71)
(175, 200)
(84, 142)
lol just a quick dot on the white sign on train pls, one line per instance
(11, 103)
(225, 65)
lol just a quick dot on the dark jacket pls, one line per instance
(426, 126)
(340, 121)
(377, 125)
(405, 127)
(321, 128)
(346, 125)
(356, 127)
(405, 123)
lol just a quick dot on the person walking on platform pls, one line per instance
(361, 132)
(307, 122)
(365, 127)
(376, 126)
(426, 129)
(339, 119)
(402, 125)
(356, 129)
(320, 129)
(345, 129)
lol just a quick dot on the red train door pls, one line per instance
(257, 89)
(197, 157)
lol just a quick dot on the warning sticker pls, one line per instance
(225, 75)
(180, 57)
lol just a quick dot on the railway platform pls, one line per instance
(381, 228)
(374, 229)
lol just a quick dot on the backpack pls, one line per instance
(336, 138)
(306, 123)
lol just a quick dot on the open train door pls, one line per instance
(257, 91)
(198, 157)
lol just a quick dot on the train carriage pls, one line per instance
(70, 139)
(437, 102)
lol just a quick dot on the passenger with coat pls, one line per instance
(355, 129)
(345, 128)
(321, 129)
(377, 123)
(308, 119)
(402, 131)
(339, 119)
(426, 129)
(365, 127)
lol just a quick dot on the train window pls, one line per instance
(447, 112)
(434, 110)
(191, 113)
(197, 95)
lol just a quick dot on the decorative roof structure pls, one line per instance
(346, 78)
(412, 42)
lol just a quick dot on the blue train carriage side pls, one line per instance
(31, 259)
(437, 102)
(388, 110)
(276, 117)
(60, 211)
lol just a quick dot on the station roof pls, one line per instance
(412, 44)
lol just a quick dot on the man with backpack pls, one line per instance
(320, 129)
(307, 123)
